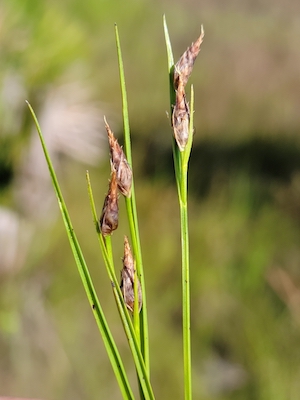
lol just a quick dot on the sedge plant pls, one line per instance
(130, 293)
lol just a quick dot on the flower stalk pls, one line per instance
(133, 219)
(182, 124)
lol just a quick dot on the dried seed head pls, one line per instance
(110, 212)
(128, 261)
(181, 113)
(127, 278)
(184, 66)
(119, 162)
(181, 118)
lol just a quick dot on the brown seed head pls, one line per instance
(181, 117)
(119, 162)
(127, 278)
(181, 113)
(184, 66)
(110, 212)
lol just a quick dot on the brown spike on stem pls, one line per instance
(119, 162)
(184, 66)
(181, 117)
(110, 212)
(127, 278)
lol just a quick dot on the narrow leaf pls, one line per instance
(132, 216)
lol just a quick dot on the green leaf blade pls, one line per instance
(132, 215)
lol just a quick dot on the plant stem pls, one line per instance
(181, 159)
(186, 306)
(185, 286)
(142, 373)
(132, 215)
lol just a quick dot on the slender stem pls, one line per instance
(108, 245)
(181, 160)
(132, 215)
(185, 288)
(186, 306)
(105, 244)
(136, 314)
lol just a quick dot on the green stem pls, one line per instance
(108, 245)
(186, 306)
(105, 244)
(132, 215)
(136, 314)
(181, 160)
(185, 287)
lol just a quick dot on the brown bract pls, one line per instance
(127, 278)
(120, 164)
(110, 212)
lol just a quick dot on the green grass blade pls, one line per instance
(127, 140)
(124, 314)
(109, 343)
(170, 59)
(132, 215)
(168, 45)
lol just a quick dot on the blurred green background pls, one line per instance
(244, 194)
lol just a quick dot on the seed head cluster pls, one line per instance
(127, 278)
(110, 212)
(121, 180)
(182, 71)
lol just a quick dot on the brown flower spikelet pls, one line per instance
(181, 118)
(119, 162)
(183, 68)
(110, 212)
(181, 113)
(127, 278)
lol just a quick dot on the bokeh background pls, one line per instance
(244, 194)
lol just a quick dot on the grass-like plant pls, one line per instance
(130, 294)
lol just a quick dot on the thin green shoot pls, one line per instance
(181, 159)
(132, 215)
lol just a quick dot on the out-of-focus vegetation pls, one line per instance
(244, 194)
